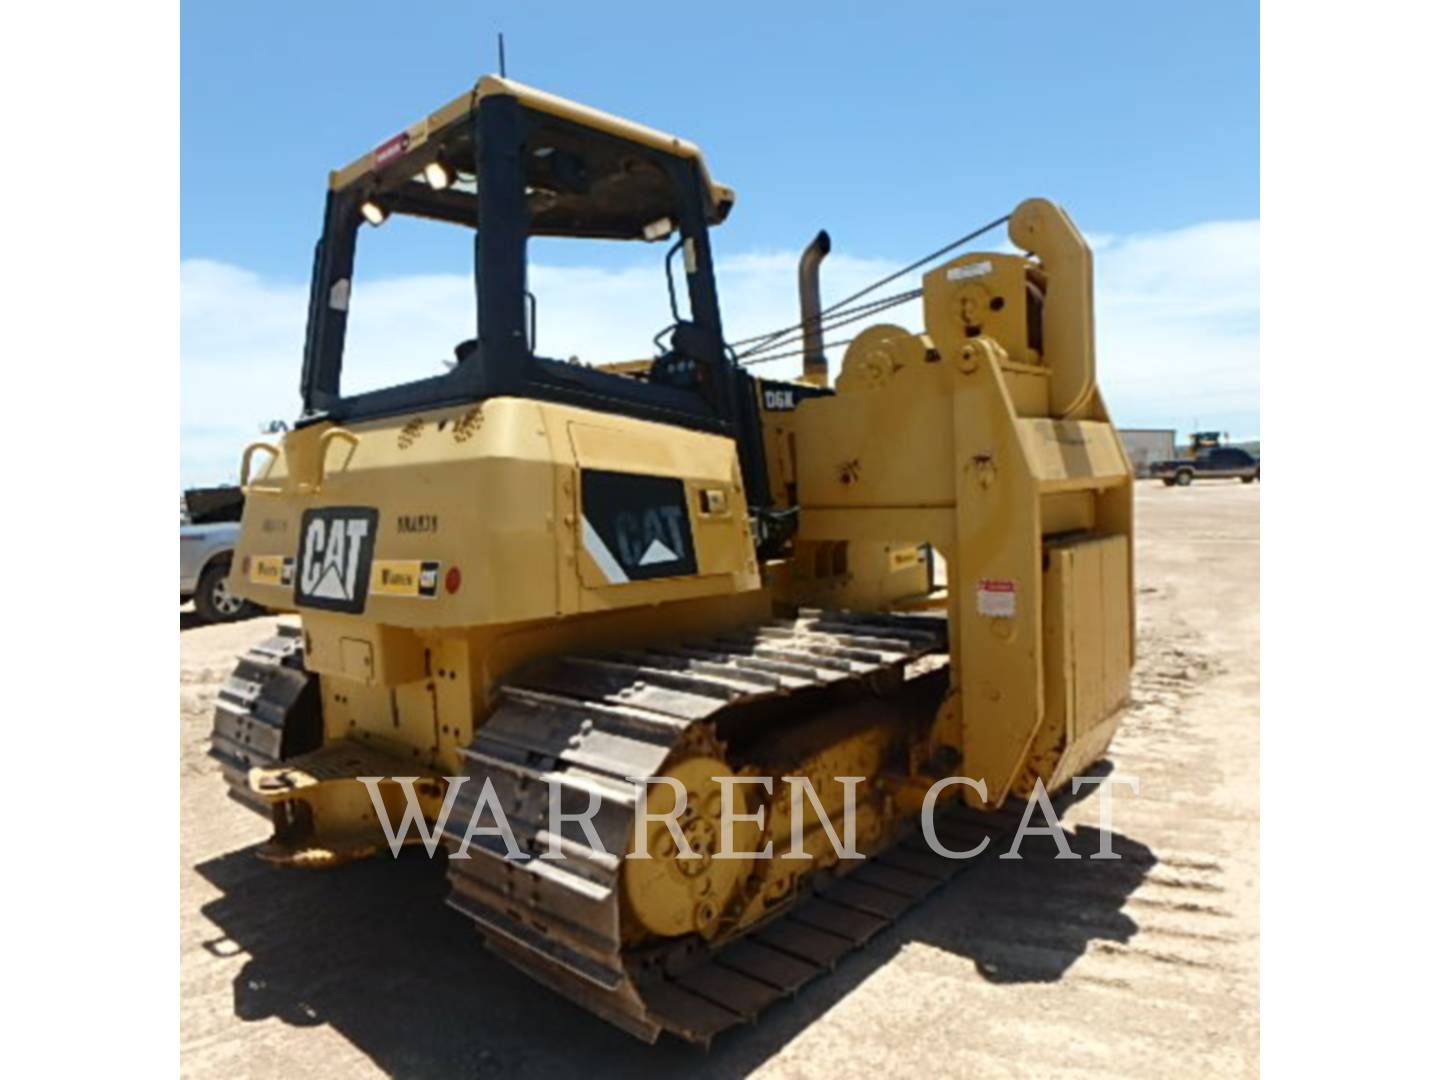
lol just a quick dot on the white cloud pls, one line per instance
(240, 345)
(1178, 327)
(1177, 322)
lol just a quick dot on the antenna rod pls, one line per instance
(501, 36)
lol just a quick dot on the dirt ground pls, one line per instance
(1035, 967)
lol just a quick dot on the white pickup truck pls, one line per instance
(206, 547)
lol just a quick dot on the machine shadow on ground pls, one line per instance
(371, 950)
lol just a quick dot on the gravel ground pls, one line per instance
(1141, 966)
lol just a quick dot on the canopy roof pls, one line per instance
(584, 179)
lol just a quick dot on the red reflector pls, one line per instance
(452, 579)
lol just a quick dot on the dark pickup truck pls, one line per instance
(1218, 463)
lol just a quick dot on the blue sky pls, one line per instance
(897, 127)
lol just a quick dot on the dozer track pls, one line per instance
(587, 724)
(267, 710)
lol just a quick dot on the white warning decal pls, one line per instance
(969, 270)
(995, 597)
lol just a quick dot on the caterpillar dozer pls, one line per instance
(567, 584)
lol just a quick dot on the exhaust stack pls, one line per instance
(815, 370)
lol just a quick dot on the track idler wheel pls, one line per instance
(672, 892)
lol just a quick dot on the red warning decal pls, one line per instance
(995, 597)
(387, 152)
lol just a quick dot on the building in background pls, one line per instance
(1146, 446)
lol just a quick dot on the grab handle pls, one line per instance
(245, 460)
(325, 440)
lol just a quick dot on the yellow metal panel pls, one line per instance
(363, 651)
(357, 659)
(621, 447)
(982, 293)
(1073, 454)
(1115, 516)
(998, 659)
(1087, 618)
(880, 524)
(1068, 511)
(854, 575)
(884, 448)
(1115, 589)
(1029, 389)
(1087, 655)
(1059, 653)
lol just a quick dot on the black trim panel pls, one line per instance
(641, 522)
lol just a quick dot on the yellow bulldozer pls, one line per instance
(584, 598)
